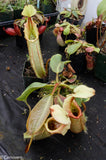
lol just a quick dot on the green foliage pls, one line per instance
(4, 6)
(41, 111)
(56, 64)
(73, 48)
(80, 46)
(47, 2)
(19, 4)
(70, 28)
(101, 9)
(66, 30)
(80, 100)
(32, 87)
(88, 45)
(14, 4)
(75, 14)
(71, 13)
(44, 111)
(66, 14)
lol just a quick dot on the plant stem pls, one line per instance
(57, 78)
(84, 106)
(46, 67)
(65, 85)
(28, 106)
(97, 37)
(102, 44)
(54, 89)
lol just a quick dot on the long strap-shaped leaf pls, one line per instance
(32, 87)
(39, 114)
(35, 56)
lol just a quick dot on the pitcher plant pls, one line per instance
(52, 113)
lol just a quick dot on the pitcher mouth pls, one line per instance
(53, 125)
(75, 110)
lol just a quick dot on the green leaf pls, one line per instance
(85, 44)
(56, 64)
(39, 114)
(42, 133)
(32, 87)
(75, 14)
(71, 49)
(101, 9)
(63, 12)
(72, 86)
(104, 15)
(80, 100)
(64, 24)
(66, 30)
(69, 41)
(29, 11)
(78, 12)
(97, 50)
(22, 22)
(66, 14)
(72, 79)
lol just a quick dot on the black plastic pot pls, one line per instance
(78, 62)
(73, 21)
(20, 40)
(53, 17)
(100, 67)
(30, 78)
(91, 33)
(49, 10)
(17, 13)
(68, 37)
(48, 7)
(6, 16)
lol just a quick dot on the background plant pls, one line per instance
(5, 6)
(71, 13)
(19, 4)
(101, 13)
(99, 24)
(80, 46)
(64, 30)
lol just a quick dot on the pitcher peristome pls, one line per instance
(77, 117)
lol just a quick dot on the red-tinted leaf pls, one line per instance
(89, 49)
